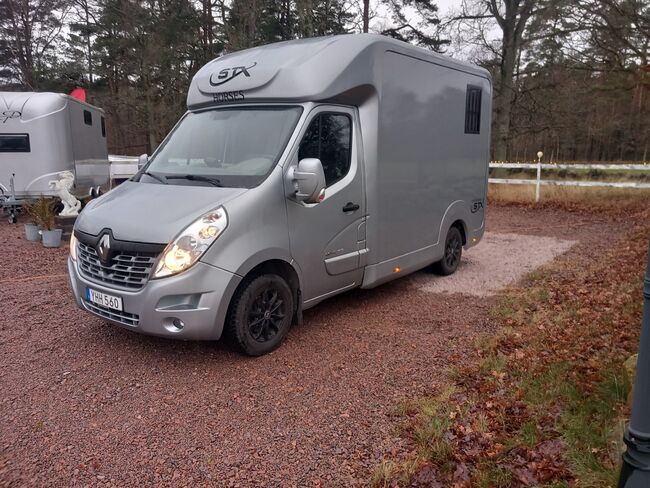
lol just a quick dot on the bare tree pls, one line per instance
(511, 18)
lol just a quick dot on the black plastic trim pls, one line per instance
(118, 245)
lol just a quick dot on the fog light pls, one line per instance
(173, 324)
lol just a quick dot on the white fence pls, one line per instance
(538, 181)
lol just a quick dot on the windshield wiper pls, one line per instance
(207, 179)
(162, 179)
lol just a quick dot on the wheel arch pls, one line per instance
(278, 266)
(462, 227)
(456, 215)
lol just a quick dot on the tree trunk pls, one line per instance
(304, 9)
(504, 100)
(88, 43)
(366, 15)
(513, 24)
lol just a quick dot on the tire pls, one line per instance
(260, 315)
(453, 252)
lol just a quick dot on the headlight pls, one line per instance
(73, 247)
(190, 244)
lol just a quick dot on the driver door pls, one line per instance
(328, 238)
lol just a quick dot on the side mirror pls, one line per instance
(142, 160)
(308, 179)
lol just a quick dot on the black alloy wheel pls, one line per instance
(453, 252)
(260, 314)
(266, 315)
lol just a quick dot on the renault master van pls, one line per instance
(300, 170)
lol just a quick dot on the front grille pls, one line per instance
(126, 269)
(108, 313)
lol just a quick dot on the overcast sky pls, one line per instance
(457, 49)
(444, 6)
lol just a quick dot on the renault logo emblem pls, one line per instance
(104, 248)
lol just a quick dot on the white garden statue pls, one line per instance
(63, 185)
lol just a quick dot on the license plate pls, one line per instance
(104, 299)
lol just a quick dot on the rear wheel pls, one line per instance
(261, 314)
(453, 252)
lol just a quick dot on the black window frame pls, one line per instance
(351, 121)
(103, 123)
(88, 117)
(28, 146)
(473, 109)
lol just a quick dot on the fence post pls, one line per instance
(539, 175)
(635, 471)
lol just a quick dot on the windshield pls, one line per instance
(235, 147)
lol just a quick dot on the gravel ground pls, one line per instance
(499, 260)
(86, 403)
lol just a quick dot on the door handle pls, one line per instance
(351, 207)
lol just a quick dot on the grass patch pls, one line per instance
(528, 433)
(586, 427)
(388, 472)
(505, 309)
(432, 419)
(491, 475)
(544, 400)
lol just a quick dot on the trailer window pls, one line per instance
(103, 126)
(473, 110)
(88, 117)
(14, 143)
(329, 138)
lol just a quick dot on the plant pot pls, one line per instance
(31, 232)
(52, 238)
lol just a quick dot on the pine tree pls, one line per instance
(416, 22)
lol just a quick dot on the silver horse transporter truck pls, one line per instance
(301, 170)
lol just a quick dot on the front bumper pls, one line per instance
(198, 298)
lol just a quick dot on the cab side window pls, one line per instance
(329, 138)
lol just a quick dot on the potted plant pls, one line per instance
(43, 211)
(31, 228)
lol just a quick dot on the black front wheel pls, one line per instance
(261, 314)
(453, 252)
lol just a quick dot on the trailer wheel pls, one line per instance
(453, 252)
(13, 218)
(260, 314)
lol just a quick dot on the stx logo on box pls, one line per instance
(227, 74)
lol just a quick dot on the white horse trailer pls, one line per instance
(45, 134)
(122, 168)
